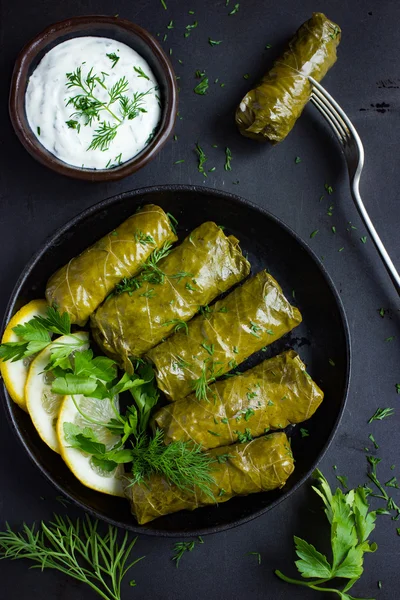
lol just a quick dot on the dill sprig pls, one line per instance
(75, 548)
(89, 107)
(103, 136)
(141, 73)
(150, 273)
(114, 58)
(202, 159)
(130, 109)
(181, 463)
(208, 375)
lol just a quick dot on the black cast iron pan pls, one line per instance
(322, 339)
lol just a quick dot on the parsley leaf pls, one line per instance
(351, 524)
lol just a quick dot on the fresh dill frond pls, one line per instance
(114, 58)
(150, 273)
(181, 463)
(181, 547)
(75, 548)
(119, 88)
(103, 136)
(208, 375)
(141, 73)
(89, 108)
(130, 109)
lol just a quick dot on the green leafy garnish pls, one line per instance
(75, 548)
(178, 325)
(371, 437)
(88, 107)
(208, 375)
(189, 29)
(141, 73)
(235, 9)
(351, 524)
(381, 413)
(183, 464)
(202, 87)
(254, 329)
(72, 124)
(150, 273)
(342, 479)
(214, 42)
(314, 233)
(35, 335)
(244, 437)
(202, 159)
(114, 58)
(228, 158)
(181, 547)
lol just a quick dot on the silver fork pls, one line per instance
(354, 153)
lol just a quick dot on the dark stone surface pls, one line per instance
(35, 202)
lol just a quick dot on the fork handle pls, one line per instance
(391, 269)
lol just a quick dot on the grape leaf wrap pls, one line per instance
(80, 286)
(252, 316)
(206, 264)
(274, 394)
(270, 110)
(261, 465)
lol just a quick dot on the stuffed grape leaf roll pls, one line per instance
(276, 393)
(259, 465)
(252, 316)
(81, 285)
(203, 266)
(270, 110)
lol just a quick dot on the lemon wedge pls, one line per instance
(15, 373)
(74, 410)
(43, 405)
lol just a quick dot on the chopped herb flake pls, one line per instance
(381, 413)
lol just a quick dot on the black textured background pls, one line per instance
(35, 202)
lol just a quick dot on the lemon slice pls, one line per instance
(15, 373)
(79, 462)
(43, 405)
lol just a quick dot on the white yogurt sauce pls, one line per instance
(47, 95)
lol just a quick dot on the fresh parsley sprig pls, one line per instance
(351, 525)
(35, 335)
(76, 548)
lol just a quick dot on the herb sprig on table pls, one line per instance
(351, 524)
(76, 548)
(88, 107)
